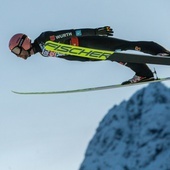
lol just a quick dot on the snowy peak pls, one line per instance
(155, 93)
(134, 135)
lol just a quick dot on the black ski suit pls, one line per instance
(89, 38)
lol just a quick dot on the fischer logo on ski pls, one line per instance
(77, 51)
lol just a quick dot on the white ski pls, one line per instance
(92, 88)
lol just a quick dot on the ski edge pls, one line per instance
(90, 89)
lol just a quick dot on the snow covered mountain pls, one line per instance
(134, 135)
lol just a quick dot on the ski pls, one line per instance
(55, 48)
(92, 88)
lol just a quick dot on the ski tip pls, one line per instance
(31, 93)
(16, 92)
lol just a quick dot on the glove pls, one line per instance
(105, 31)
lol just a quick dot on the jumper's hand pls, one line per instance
(105, 31)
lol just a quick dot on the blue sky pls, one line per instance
(53, 131)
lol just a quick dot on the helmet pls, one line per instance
(20, 40)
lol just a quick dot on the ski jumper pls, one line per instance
(89, 38)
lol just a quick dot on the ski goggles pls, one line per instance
(18, 49)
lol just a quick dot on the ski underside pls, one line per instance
(92, 88)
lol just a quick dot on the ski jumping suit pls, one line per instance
(88, 38)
